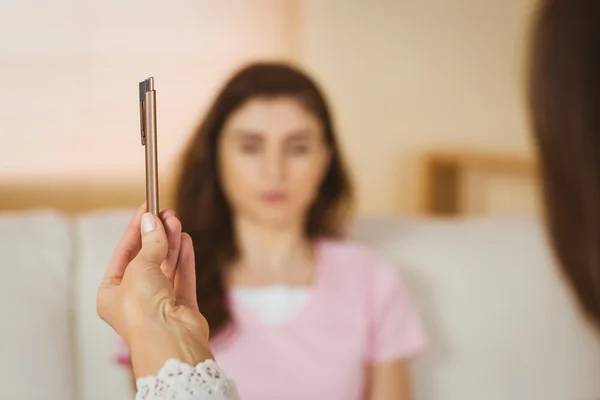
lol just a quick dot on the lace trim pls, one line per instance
(181, 381)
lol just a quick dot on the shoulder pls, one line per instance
(374, 288)
(364, 274)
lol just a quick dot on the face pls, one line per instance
(272, 159)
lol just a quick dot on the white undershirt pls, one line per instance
(275, 304)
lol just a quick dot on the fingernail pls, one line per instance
(148, 222)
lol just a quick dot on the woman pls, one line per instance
(264, 194)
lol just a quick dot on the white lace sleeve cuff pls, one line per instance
(180, 381)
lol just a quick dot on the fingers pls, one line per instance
(164, 214)
(154, 242)
(126, 249)
(185, 278)
(173, 229)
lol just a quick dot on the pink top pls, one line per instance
(358, 313)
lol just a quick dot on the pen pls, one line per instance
(149, 141)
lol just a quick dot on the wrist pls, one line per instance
(155, 342)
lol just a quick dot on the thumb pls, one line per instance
(154, 241)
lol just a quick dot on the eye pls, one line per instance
(250, 147)
(297, 148)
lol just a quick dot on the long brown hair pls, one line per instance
(564, 96)
(204, 210)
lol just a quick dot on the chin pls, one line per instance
(277, 219)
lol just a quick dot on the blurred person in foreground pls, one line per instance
(294, 309)
(564, 96)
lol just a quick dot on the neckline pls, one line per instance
(243, 313)
(270, 288)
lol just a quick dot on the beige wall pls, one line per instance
(408, 76)
(404, 76)
(68, 103)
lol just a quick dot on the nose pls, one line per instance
(274, 166)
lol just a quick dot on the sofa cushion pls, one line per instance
(35, 336)
(501, 322)
(100, 377)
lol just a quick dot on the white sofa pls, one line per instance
(501, 324)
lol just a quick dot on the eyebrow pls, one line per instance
(298, 134)
(246, 135)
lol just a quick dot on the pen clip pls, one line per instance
(144, 87)
(142, 124)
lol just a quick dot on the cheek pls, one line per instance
(306, 177)
(237, 177)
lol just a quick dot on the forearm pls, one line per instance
(389, 381)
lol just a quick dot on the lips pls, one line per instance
(274, 197)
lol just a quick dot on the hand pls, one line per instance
(148, 294)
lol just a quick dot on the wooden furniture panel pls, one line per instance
(78, 196)
(454, 181)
